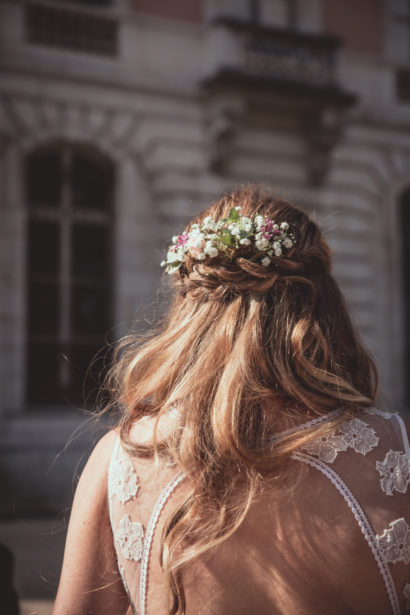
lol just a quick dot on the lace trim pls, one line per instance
(159, 505)
(122, 478)
(404, 435)
(362, 521)
(394, 472)
(130, 535)
(355, 434)
(406, 594)
(124, 582)
(394, 543)
(383, 413)
(304, 426)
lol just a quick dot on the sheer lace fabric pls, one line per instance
(349, 512)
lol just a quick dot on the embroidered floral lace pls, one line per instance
(366, 460)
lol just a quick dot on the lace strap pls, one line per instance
(110, 482)
(404, 435)
(362, 522)
(304, 426)
(159, 505)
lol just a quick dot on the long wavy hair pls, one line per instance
(243, 348)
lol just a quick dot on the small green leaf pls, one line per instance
(174, 266)
(226, 238)
(243, 234)
(233, 214)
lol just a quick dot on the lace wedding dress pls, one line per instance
(339, 542)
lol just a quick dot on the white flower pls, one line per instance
(277, 249)
(238, 208)
(359, 436)
(288, 243)
(175, 239)
(245, 224)
(196, 240)
(130, 535)
(326, 447)
(276, 227)
(284, 226)
(266, 261)
(262, 243)
(173, 256)
(122, 478)
(394, 543)
(235, 230)
(209, 224)
(395, 472)
(201, 256)
(259, 221)
(212, 251)
(245, 241)
(163, 263)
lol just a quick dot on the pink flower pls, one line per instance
(196, 244)
(182, 239)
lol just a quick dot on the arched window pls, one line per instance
(405, 241)
(69, 193)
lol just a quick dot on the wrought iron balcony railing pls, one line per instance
(284, 60)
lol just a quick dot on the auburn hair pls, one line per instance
(238, 335)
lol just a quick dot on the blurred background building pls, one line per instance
(121, 118)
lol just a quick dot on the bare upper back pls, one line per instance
(308, 552)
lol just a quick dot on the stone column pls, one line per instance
(136, 270)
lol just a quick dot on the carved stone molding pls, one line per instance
(32, 121)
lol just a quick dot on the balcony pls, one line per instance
(286, 62)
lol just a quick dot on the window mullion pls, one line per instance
(65, 260)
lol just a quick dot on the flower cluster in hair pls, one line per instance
(223, 237)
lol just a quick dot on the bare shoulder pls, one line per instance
(89, 559)
(143, 429)
(101, 453)
(95, 471)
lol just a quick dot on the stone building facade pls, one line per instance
(121, 118)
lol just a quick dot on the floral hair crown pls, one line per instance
(226, 235)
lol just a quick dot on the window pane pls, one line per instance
(43, 298)
(92, 183)
(44, 178)
(42, 373)
(91, 254)
(43, 247)
(56, 370)
(90, 310)
(88, 369)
